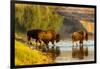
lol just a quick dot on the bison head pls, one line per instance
(57, 37)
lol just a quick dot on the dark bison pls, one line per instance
(79, 36)
(45, 36)
(33, 34)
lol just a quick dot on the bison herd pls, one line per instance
(43, 37)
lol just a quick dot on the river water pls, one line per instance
(67, 45)
(66, 51)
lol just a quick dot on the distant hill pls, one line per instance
(69, 26)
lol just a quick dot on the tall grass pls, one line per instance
(26, 56)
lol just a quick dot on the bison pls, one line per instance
(79, 36)
(33, 34)
(45, 36)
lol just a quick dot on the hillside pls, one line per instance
(75, 19)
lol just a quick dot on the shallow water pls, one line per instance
(67, 45)
(66, 51)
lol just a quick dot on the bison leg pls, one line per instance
(38, 44)
(81, 42)
(53, 43)
(29, 40)
(73, 44)
(47, 46)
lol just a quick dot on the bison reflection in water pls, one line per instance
(45, 36)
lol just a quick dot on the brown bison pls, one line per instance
(79, 36)
(45, 36)
(49, 36)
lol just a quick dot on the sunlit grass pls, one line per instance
(26, 56)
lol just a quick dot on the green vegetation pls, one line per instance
(26, 56)
(36, 17)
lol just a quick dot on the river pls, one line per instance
(66, 51)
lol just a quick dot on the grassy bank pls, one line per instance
(26, 56)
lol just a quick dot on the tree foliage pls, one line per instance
(37, 17)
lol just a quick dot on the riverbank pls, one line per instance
(26, 56)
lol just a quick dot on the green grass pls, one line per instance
(26, 56)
